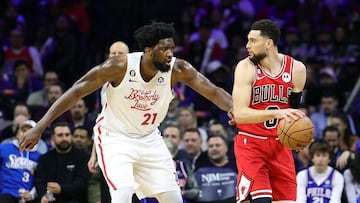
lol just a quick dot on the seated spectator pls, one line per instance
(62, 171)
(39, 98)
(352, 180)
(81, 139)
(10, 96)
(23, 82)
(17, 169)
(18, 50)
(331, 135)
(20, 113)
(79, 116)
(172, 133)
(187, 119)
(218, 128)
(320, 119)
(192, 145)
(347, 140)
(320, 182)
(218, 178)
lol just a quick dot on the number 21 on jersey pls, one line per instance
(150, 119)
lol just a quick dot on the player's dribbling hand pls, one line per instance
(289, 114)
(29, 139)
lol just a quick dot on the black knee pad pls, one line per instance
(262, 200)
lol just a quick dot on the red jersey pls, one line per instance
(24, 54)
(269, 92)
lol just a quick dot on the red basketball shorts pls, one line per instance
(265, 167)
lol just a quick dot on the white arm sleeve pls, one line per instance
(338, 186)
(301, 179)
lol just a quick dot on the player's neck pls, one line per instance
(272, 62)
(147, 69)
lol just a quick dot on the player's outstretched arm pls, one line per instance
(184, 72)
(87, 84)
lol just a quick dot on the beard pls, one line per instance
(63, 146)
(77, 116)
(257, 58)
(161, 67)
(217, 159)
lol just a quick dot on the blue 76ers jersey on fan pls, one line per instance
(136, 107)
(17, 169)
(319, 193)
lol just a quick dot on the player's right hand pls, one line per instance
(289, 114)
(92, 164)
(29, 139)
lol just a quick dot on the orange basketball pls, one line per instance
(296, 134)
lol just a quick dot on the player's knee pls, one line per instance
(170, 196)
(262, 200)
(122, 195)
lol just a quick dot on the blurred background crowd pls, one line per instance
(46, 45)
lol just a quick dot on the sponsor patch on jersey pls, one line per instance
(258, 71)
(132, 73)
(160, 80)
(286, 77)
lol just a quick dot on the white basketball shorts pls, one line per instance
(143, 163)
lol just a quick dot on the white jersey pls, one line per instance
(136, 107)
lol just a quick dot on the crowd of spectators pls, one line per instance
(47, 45)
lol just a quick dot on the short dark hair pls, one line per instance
(20, 62)
(59, 124)
(217, 135)
(192, 130)
(268, 29)
(320, 146)
(149, 35)
(330, 129)
(81, 127)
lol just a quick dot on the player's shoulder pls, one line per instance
(244, 64)
(182, 67)
(298, 65)
(114, 63)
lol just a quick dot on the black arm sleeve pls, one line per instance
(295, 99)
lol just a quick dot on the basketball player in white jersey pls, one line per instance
(128, 144)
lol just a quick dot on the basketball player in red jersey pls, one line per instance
(267, 88)
(131, 151)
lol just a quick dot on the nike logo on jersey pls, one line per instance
(131, 80)
(259, 78)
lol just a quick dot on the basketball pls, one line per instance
(297, 134)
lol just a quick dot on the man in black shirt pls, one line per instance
(62, 172)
